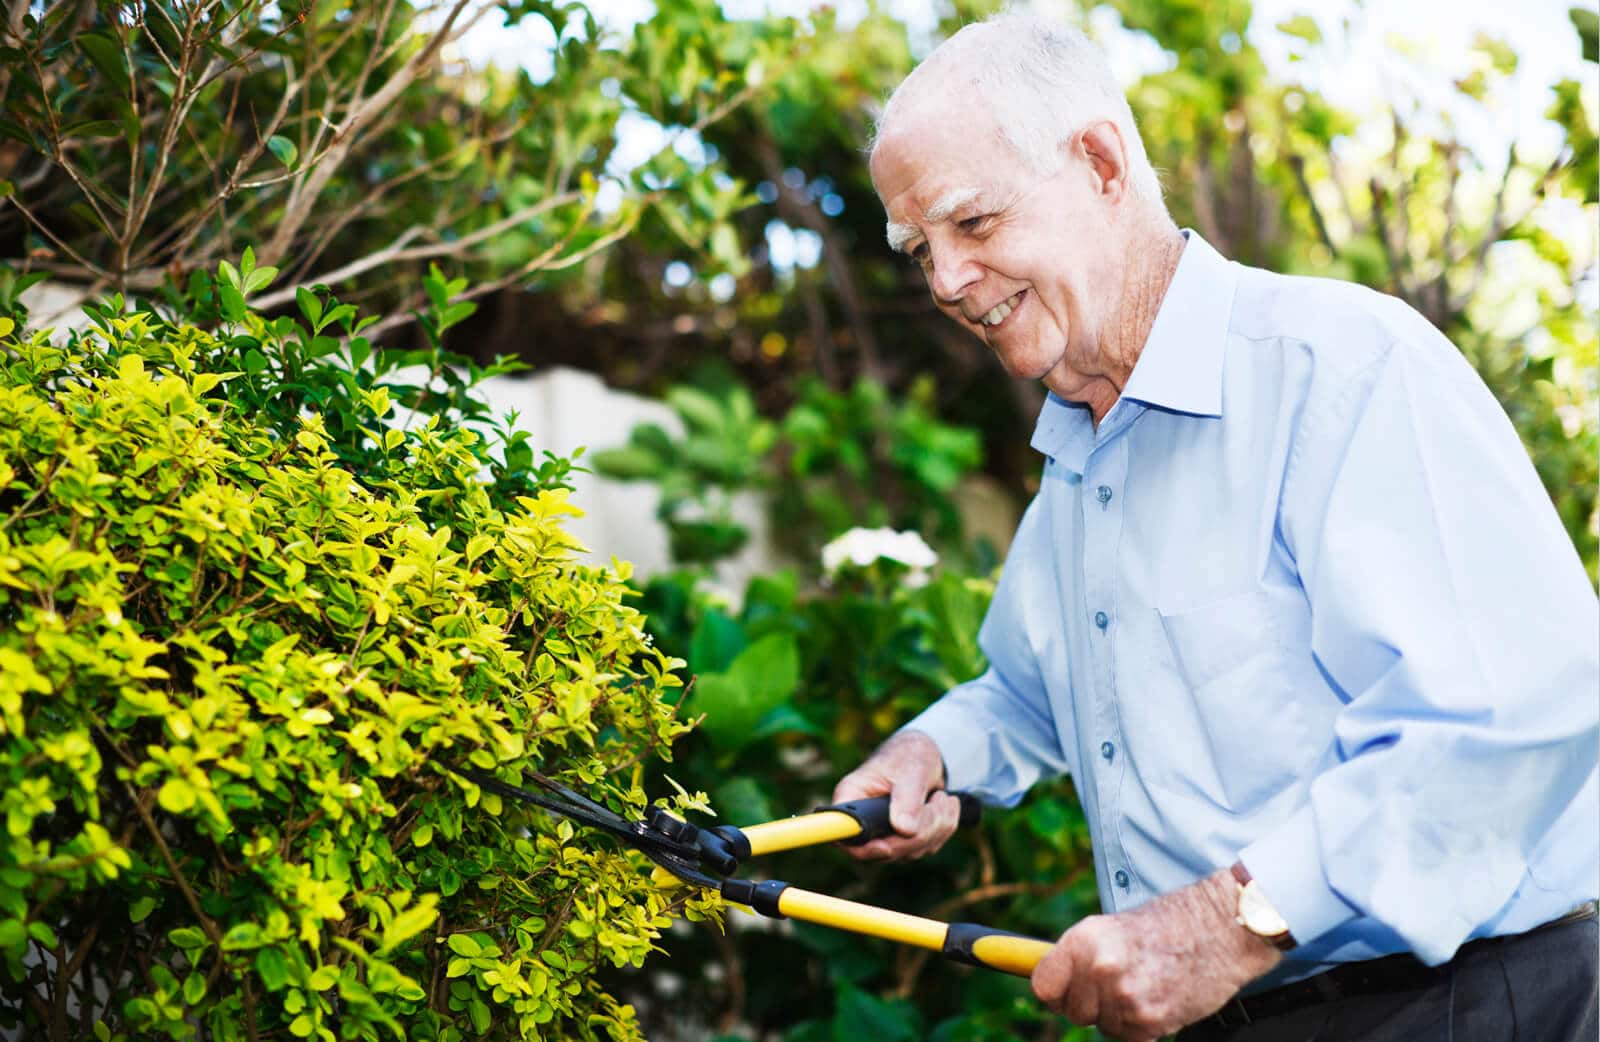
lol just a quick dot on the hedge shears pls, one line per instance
(709, 857)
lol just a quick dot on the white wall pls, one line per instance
(563, 409)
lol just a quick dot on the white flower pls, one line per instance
(863, 546)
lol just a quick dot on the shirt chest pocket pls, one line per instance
(1238, 657)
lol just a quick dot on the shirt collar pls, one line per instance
(1180, 368)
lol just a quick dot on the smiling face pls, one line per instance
(1027, 263)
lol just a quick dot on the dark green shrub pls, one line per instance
(247, 621)
(818, 675)
(836, 460)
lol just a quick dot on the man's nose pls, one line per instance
(953, 274)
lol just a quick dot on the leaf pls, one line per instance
(742, 800)
(284, 149)
(626, 464)
(310, 306)
(479, 545)
(784, 719)
(6, 326)
(699, 410)
(464, 946)
(241, 936)
(187, 937)
(176, 796)
(106, 54)
(716, 642)
(1587, 23)
(764, 675)
(1302, 26)
(858, 1015)
(273, 968)
(259, 278)
(92, 128)
(232, 303)
(140, 910)
(409, 923)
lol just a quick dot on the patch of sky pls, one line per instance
(676, 276)
(790, 248)
(1359, 65)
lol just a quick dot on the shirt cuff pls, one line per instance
(1287, 866)
(964, 748)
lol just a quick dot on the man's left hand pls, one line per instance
(1146, 973)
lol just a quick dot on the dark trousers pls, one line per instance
(1535, 987)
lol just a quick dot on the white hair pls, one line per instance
(1042, 80)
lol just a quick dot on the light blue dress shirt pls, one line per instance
(1300, 600)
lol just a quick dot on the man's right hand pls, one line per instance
(909, 769)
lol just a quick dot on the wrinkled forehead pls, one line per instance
(917, 140)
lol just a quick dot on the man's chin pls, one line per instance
(1024, 364)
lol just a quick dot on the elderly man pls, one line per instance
(1291, 605)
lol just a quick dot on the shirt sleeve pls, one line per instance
(998, 734)
(1452, 615)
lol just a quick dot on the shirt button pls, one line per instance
(1103, 494)
(1122, 879)
(1108, 750)
(1102, 620)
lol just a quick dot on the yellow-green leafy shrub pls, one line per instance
(234, 667)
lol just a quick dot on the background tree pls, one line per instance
(342, 140)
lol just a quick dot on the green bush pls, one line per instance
(816, 676)
(836, 460)
(248, 621)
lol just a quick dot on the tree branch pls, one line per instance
(305, 194)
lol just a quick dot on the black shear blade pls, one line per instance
(681, 859)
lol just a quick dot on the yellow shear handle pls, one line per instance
(964, 942)
(859, 820)
(807, 830)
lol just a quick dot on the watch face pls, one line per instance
(1257, 913)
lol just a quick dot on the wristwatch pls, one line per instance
(1256, 914)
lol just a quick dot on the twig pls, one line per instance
(305, 193)
(178, 877)
(1297, 163)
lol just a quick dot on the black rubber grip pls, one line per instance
(962, 936)
(873, 816)
(762, 896)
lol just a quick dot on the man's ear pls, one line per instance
(1100, 143)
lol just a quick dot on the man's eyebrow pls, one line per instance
(900, 234)
(950, 202)
(943, 207)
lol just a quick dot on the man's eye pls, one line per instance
(972, 224)
(920, 253)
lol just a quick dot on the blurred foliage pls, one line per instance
(809, 677)
(796, 685)
(248, 621)
(1491, 248)
(351, 144)
(834, 461)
